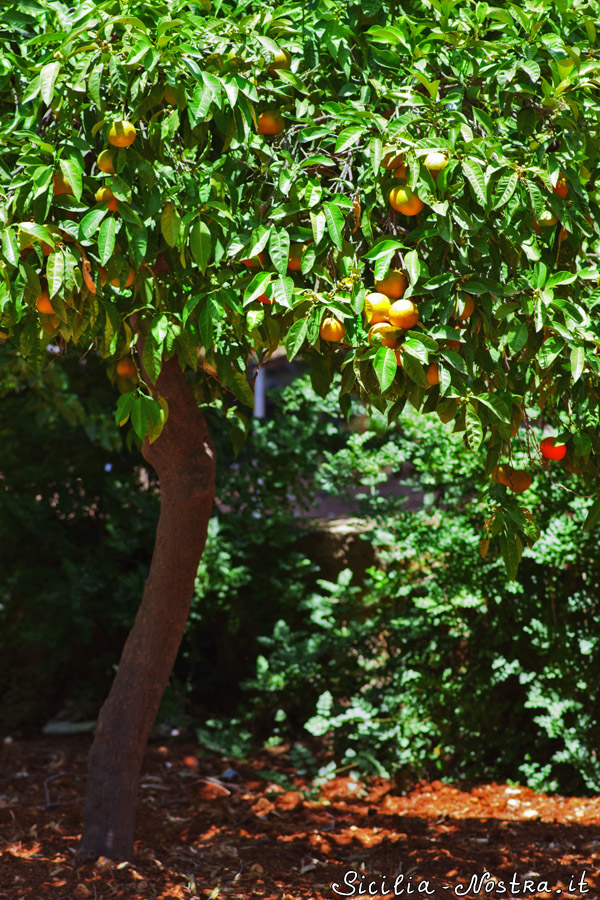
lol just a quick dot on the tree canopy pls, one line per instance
(221, 180)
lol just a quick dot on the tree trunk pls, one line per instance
(184, 459)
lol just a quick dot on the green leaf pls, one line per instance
(561, 278)
(283, 290)
(335, 223)
(256, 287)
(55, 272)
(201, 244)
(375, 154)
(413, 266)
(348, 137)
(447, 409)
(124, 405)
(385, 365)
(507, 185)
(73, 175)
(414, 370)
(319, 224)
(475, 176)
(10, 248)
(169, 224)
(36, 231)
(48, 77)
(497, 405)
(106, 239)
(279, 250)
(240, 387)
(152, 357)
(509, 547)
(145, 412)
(593, 516)
(90, 223)
(577, 362)
(474, 427)
(295, 337)
(383, 249)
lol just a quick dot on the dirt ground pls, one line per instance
(212, 827)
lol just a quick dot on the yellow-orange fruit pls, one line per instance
(433, 374)
(106, 162)
(116, 282)
(104, 194)
(392, 159)
(43, 304)
(170, 95)
(383, 333)
(295, 257)
(121, 134)
(403, 200)
(377, 308)
(60, 185)
(393, 285)
(404, 314)
(332, 330)
(468, 308)
(126, 368)
(270, 123)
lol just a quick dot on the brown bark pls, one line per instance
(184, 459)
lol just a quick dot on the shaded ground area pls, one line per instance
(211, 827)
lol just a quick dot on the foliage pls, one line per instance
(76, 528)
(507, 97)
(434, 665)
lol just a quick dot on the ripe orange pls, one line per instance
(546, 220)
(116, 282)
(270, 123)
(393, 285)
(121, 134)
(105, 195)
(405, 201)
(264, 299)
(295, 257)
(60, 185)
(106, 162)
(433, 374)
(43, 304)
(255, 261)
(550, 450)
(435, 162)
(519, 480)
(400, 172)
(332, 330)
(384, 334)
(392, 159)
(126, 368)
(561, 189)
(468, 308)
(501, 474)
(404, 314)
(170, 95)
(377, 308)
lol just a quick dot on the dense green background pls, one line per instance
(430, 662)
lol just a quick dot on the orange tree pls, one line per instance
(186, 188)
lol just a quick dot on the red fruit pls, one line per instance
(264, 299)
(550, 450)
(191, 762)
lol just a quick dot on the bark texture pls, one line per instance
(184, 459)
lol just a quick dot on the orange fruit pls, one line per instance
(501, 474)
(264, 299)
(126, 368)
(519, 480)
(116, 282)
(105, 195)
(332, 330)
(404, 314)
(546, 220)
(106, 162)
(561, 189)
(377, 308)
(295, 257)
(433, 374)
(393, 285)
(121, 134)
(255, 261)
(468, 308)
(434, 162)
(403, 200)
(170, 95)
(43, 304)
(384, 334)
(270, 123)
(46, 248)
(400, 172)
(60, 185)
(392, 159)
(550, 450)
